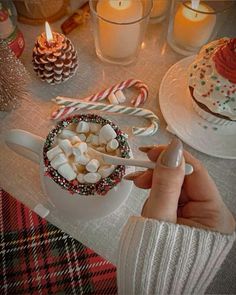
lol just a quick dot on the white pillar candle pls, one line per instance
(119, 41)
(159, 8)
(191, 28)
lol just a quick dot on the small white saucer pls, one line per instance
(176, 107)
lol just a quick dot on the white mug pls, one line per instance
(75, 206)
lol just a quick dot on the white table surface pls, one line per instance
(20, 177)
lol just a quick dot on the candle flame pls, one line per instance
(195, 4)
(48, 32)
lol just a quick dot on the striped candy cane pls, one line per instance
(69, 105)
(140, 99)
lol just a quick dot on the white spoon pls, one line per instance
(113, 160)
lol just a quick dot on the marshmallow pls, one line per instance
(67, 172)
(66, 134)
(94, 127)
(112, 98)
(80, 148)
(92, 177)
(105, 171)
(107, 133)
(79, 151)
(82, 159)
(80, 178)
(93, 139)
(53, 152)
(82, 137)
(112, 145)
(82, 127)
(58, 161)
(120, 96)
(93, 165)
(75, 139)
(102, 140)
(66, 146)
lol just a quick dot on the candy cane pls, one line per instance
(68, 105)
(140, 99)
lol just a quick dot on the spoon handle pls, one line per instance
(138, 163)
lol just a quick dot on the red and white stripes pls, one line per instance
(140, 99)
(68, 105)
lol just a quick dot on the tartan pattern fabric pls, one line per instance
(38, 258)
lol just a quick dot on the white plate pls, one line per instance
(176, 107)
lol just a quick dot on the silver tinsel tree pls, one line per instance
(13, 79)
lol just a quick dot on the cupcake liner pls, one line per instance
(209, 117)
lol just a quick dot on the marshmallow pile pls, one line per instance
(71, 155)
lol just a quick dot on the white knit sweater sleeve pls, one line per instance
(157, 257)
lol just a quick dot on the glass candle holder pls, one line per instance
(193, 23)
(119, 27)
(159, 11)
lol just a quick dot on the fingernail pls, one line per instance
(172, 156)
(133, 176)
(146, 148)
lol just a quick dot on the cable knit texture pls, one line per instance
(163, 258)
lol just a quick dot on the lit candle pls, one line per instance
(54, 57)
(159, 8)
(119, 41)
(48, 33)
(195, 4)
(193, 28)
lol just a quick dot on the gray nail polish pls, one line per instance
(173, 154)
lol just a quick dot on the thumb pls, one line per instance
(167, 180)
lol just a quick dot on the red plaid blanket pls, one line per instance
(38, 258)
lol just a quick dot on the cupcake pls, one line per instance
(71, 163)
(212, 82)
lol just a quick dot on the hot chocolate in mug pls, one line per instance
(71, 197)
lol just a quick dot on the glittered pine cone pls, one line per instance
(54, 61)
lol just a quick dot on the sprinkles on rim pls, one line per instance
(105, 184)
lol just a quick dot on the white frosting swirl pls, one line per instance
(210, 88)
